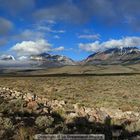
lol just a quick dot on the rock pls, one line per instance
(71, 118)
(76, 107)
(18, 118)
(79, 115)
(28, 96)
(128, 112)
(113, 113)
(134, 126)
(102, 115)
(82, 112)
(4, 88)
(136, 114)
(39, 99)
(91, 119)
(45, 110)
(88, 110)
(93, 113)
(62, 102)
(39, 111)
(73, 115)
(79, 110)
(55, 104)
(44, 101)
(17, 93)
(33, 105)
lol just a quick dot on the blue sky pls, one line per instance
(75, 28)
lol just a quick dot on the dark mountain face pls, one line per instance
(47, 60)
(43, 60)
(40, 57)
(115, 56)
(122, 51)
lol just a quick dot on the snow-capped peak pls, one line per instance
(7, 57)
(22, 58)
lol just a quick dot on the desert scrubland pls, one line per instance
(73, 100)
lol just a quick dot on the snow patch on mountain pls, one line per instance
(7, 57)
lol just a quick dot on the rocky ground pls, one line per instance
(23, 112)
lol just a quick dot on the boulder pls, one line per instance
(28, 96)
(102, 116)
(33, 105)
(91, 119)
(45, 110)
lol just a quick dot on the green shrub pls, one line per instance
(12, 106)
(60, 111)
(6, 123)
(44, 121)
(49, 130)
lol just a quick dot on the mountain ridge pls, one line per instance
(112, 56)
(125, 55)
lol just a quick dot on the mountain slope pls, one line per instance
(7, 57)
(115, 56)
(48, 60)
(43, 60)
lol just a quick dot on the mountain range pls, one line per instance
(47, 60)
(114, 56)
(111, 56)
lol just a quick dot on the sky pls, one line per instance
(74, 28)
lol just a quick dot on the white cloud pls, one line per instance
(26, 48)
(49, 29)
(31, 47)
(95, 46)
(90, 36)
(61, 48)
(47, 26)
(120, 43)
(60, 31)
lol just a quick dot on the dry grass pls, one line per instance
(108, 91)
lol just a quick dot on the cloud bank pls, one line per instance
(26, 48)
(31, 47)
(81, 11)
(112, 43)
(76, 11)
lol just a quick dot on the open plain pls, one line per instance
(108, 86)
(70, 100)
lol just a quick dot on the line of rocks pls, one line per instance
(40, 104)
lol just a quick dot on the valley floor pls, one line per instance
(97, 100)
(95, 91)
